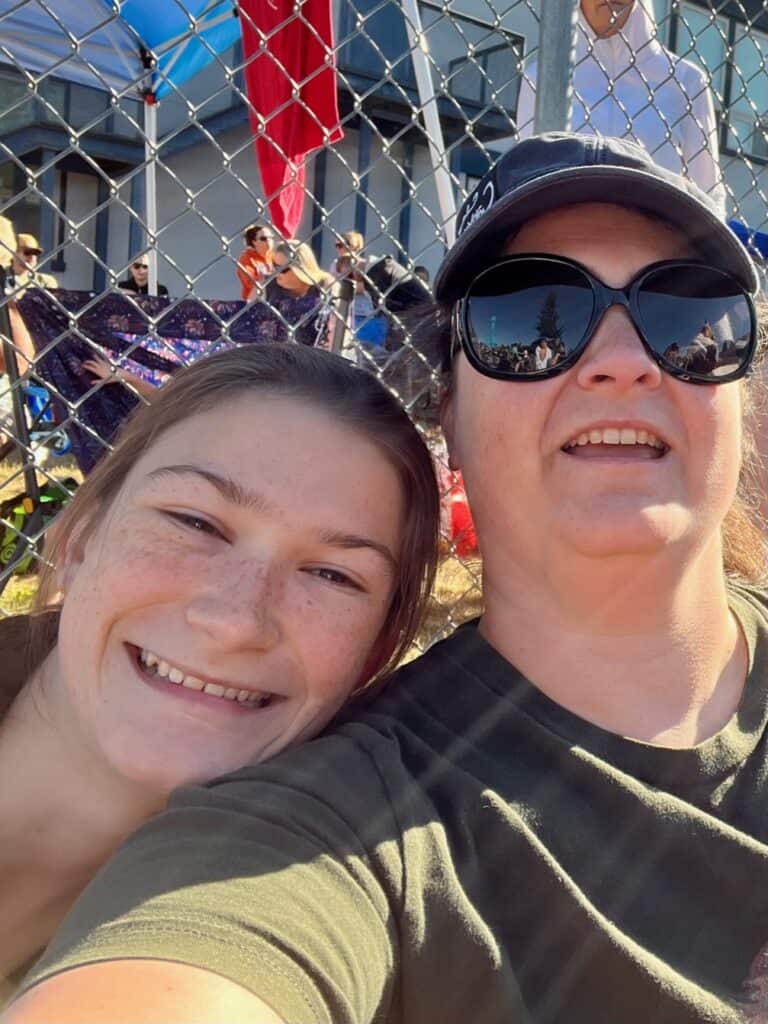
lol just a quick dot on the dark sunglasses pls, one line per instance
(32, 252)
(530, 317)
(141, 266)
(282, 269)
(265, 238)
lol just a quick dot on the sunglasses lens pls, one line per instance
(697, 320)
(526, 318)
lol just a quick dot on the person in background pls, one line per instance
(349, 263)
(303, 295)
(138, 278)
(394, 290)
(25, 265)
(255, 264)
(626, 84)
(422, 273)
(110, 373)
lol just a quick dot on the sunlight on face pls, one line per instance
(234, 592)
(532, 497)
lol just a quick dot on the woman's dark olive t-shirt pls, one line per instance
(464, 849)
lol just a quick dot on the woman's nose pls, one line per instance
(616, 357)
(240, 608)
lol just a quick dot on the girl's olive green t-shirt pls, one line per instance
(463, 849)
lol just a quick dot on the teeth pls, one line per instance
(254, 698)
(193, 683)
(614, 435)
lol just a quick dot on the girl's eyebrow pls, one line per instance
(226, 486)
(238, 495)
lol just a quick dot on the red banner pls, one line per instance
(291, 85)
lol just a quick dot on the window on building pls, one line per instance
(735, 56)
(474, 59)
(704, 40)
(16, 102)
(748, 111)
(480, 63)
(662, 15)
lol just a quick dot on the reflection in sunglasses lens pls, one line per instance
(529, 325)
(529, 317)
(696, 320)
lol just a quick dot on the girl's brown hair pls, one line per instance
(351, 396)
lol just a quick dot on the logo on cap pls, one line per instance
(481, 200)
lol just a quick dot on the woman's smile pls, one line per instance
(173, 679)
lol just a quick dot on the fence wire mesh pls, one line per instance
(101, 179)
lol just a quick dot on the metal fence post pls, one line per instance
(557, 46)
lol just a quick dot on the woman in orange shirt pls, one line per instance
(255, 264)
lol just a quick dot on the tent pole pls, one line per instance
(150, 173)
(430, 113)
(22, 437)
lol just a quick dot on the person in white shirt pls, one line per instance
(627, 85)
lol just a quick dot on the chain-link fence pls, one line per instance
(127, 162)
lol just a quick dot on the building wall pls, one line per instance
(204, 206)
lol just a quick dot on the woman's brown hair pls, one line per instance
(351, 396)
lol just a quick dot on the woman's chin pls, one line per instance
(647, 533)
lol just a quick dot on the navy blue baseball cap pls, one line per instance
(560, 168)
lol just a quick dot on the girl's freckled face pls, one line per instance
(264, 565)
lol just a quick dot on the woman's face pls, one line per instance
(536, 494)
(286, 277)
(263, 242)
(140, 271)
(232, 596)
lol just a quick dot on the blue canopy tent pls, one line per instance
(123, 47)
(755, 241)
(120, 46)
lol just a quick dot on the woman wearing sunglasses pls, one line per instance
(559, 813)
(254, 267)
(137, 280)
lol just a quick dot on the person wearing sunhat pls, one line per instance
(25, 265)
(557, 814)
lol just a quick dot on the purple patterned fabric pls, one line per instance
(68, 327)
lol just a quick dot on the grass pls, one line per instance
(18, 594)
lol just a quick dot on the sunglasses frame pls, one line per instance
(604, 298)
